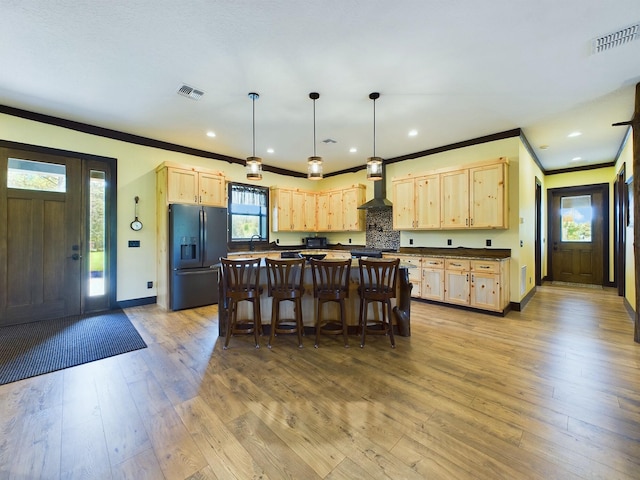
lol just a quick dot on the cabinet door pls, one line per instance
(212, 190)
(353, 219)
(487, 197)
(281, 218)
(322, 216)
(403, 204)
(433, 284)
(485, 291)
(428, 202)
(335, 211)
(455, 199)
(182, 186)
(298, 211)
(310, 212)
(456, 287)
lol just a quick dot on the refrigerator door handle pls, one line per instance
(203, 234)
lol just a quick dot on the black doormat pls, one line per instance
(32, 349)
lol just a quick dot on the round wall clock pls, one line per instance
(136, 224)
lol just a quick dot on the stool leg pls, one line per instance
(231, 323)
(297, 310)
(389, 322)
(275, 311)
(318, 319)
(363, 320)
(343, 318)
(257, 320)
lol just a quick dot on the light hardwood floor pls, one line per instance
(550, 392)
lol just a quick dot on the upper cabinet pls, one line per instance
(191, 185)
(296, 210)
(474, 197)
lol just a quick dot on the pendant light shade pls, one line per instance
(374, 164)
(254, 164)
(314, 167)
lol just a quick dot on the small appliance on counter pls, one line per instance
(316, 242)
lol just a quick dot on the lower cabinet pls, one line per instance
(456, 281)
(477, 283)
(433, 278)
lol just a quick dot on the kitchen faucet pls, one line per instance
(251, 246)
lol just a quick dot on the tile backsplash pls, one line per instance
(380, 233)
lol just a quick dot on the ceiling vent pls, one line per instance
(190, 92)
(615, 39)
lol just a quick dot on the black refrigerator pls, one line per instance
(197, 240)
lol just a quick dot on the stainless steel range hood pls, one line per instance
(379, 199)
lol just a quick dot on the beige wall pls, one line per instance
(136, 177)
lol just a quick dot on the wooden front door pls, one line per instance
(577, 232)
(41, 254)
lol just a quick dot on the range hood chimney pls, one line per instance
(379, 199)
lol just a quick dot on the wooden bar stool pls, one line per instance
(284, 282)
(240, 284)
(331, 284)
(378, 280)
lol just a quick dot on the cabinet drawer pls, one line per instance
(456, 264)
(432, 262)
(411, 260)
(485, 266)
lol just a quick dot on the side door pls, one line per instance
(41, 251)
(577, 232)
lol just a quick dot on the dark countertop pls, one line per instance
(495, 253)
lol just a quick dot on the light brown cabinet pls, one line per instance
(326, 211)
(416, 203)
(352, 218)
(433, 278)
(456, 281)
(191, 185)
(292, 210)
(474, 197)
(473, 282)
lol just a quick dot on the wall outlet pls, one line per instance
(411, 241)
(521, 243)
(488, 242)
(277, 240)
(149, 284)
(449, 242)
(349, 240)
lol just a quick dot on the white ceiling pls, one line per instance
(453, 70)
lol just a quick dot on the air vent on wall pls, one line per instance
(615, 39)
(190, 92)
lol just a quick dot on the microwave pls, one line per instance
(316, 242)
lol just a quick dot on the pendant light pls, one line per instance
(254, 164)
(314, 168)
(374, 164)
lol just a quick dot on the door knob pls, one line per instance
(75, 256)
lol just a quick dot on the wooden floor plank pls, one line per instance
(551, 392)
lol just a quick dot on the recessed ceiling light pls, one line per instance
(574, 134)
(270, 150)
(576, 159)
(413, 133)
(353, 150)
(211, 134)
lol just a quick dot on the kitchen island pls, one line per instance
(401, 304)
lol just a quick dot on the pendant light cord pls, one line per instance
(314, 127)
(253, 107)
(374, 127)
